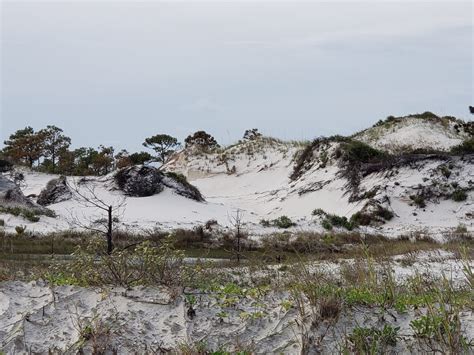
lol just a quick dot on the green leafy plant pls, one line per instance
(373, 340)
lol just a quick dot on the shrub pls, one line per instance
(31, 215)
(361, 219)
(461, 228)
(459, 195)
(283, 222)
(418, 200)
(326, 224)
(385, 214)
(20, 230)
(339, 221)
(426, 114)
(5, 166)
(333, 220)
(445, 171)
(2, 223)
(319, 212)
(201, 139)
(330, 308)
(359, 152)
(142, 264)
(466, 147)
(252, 134)
(177, 177)
(280, 222)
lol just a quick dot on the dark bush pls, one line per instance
(283, 222)
(5, 166)
(418, 200)
(459, 195)
(359, 152)
(280, 222)
(326, 224)
(466, 147)
(319, 212)
(201, 139)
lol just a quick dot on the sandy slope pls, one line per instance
(37, 318)
(254, 177)
(414, 133)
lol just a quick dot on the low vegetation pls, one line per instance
(283, 222)
(30, 214)
(466, 147)
(361, 284)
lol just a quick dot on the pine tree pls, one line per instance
(54, 142)
(25, 146)
(163, 144)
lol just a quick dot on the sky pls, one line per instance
(113, 73)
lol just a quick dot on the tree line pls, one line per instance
(49, 150)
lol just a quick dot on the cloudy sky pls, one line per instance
(112, 72)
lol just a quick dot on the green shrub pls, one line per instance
(359, 152)
(461, 228)
(326, 224)
(418, 200)
(385, 213)
(177, 177)
(426, 114)
(142, 264)
(280, 222)
(283, 222)
(31, 214)
(466, 147)
(361, 219)
(333, 220)
(318, 212)
(364, 219)
(338, 221)
(459, 195)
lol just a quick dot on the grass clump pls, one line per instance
(459, 195)
(373, 340)
(30, 214)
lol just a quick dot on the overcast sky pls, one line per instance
(116, 72)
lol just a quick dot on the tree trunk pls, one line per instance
(110, 246)
(238, 244)
(53, 161)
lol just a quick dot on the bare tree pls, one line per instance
(237, 222)
(87, 196)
